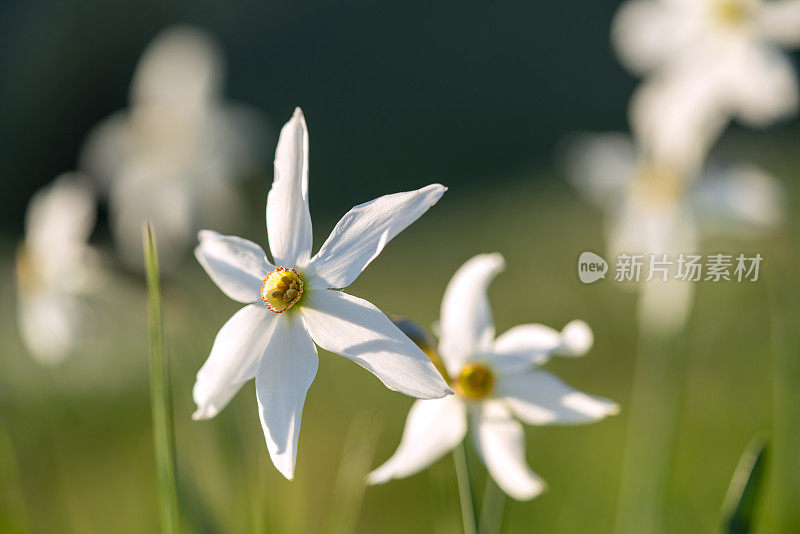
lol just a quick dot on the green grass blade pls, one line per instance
(160, 395)
(464, 489)
(747, 486)
(348, 490)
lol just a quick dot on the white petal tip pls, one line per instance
(298, 113)
(200, 415)
(577, 338)
(206, 234)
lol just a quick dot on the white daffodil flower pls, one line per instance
(173, 157)
(651, 208)
(55, 267)
(295, 303)
(709, 61)
(497, 384)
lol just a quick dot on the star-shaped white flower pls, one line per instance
(56, 267)
(652, 208)
(295, 303)
(173, 157)
(708, 61)
(497, 385)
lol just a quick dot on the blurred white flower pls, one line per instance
(55, 267)
(296, 303)
(709, 61)
(173, 156)
(497, 385)
(651, 208)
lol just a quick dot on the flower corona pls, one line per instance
(281, 289)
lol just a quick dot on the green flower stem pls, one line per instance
(160, 395)
(464, 489)
(492, 509)
(654, 410)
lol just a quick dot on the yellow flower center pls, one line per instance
(281, 289)
(475, 381)
(730, 12)
(656, 186)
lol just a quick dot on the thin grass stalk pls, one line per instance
(492, 508)
(348, 489)
(783, 287)
(160, 394)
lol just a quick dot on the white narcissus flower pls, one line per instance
(295, 303)
(174, 156)
(497, 384)
(709, 61)
(651, 208)
(55, 267)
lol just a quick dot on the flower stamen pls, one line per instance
(475, 381)
(281, 289)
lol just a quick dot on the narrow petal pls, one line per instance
(539, 398)
(500, 443)
(738, 199)
(433, 428)
(645, 33)
(61, 216)
(362, 233)
(233, 360)
(350, 326)
(288, 218)
(600, 166)
(780, 20)
(466, 326)
(761, 84)
(576, 338)
(236, 265)
(285, 373)
(524, 346)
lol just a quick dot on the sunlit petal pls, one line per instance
(233, 360)
(500, 443)
(288, 218)
(285, 373)
(433, 428)
(354, 328)
(362, 233)
(466, 326)
(236, 265)
(539, 398)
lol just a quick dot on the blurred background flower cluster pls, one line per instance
(664, 126)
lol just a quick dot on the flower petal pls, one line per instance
(236, 265)
(740, 199)
(466, 325)
(60, 217)
(362, 233)
(524, 346)
(433, 428)
(780, 20)
(350, 326)
(576, 338)
(600, 166)
(233, 360)
(760, 83)
(500, 443)
(285, 373)
(288, 218)
(646, 33)
(539, 398)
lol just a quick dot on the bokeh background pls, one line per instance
(475, 96)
